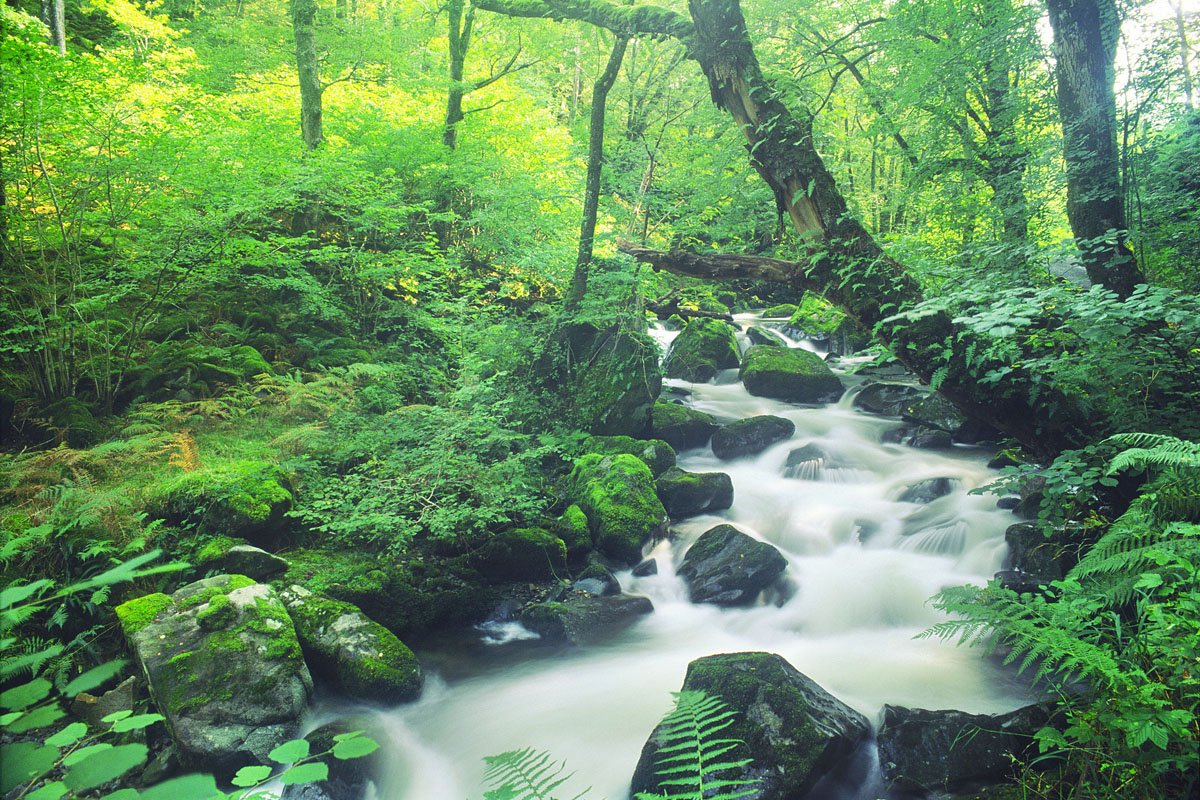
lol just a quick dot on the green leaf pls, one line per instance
(86, 752)
(94, 677)
(51, 791)
(250, 776)
(136, 723)
(355, 748)
(15, 594)
(37, 718)
(288, 752)
(185, 787)
(23, 761)
(116, 716)
(311, 772)
(103, 767)
(341, 737)
(26, 694)
(68, 735)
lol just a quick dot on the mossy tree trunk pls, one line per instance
(304, 23)
(1085, 45)
(54, 15)
(461, 25)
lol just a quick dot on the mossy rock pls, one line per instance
(572, 528)
(246, 500)
(675, 323)
(75, 419)
(224, 667)
(726, 567)
(656, 453)
(789, 730)
(682, 427)
(816, 316)
(617, 494)
(363, 659)
(789, 374)
(582, 618)
(522, 554)
(751, 435)
(209, 552)
(782, 310)
(248, 362)
(764, 336)
(685, 494)
(703, 348)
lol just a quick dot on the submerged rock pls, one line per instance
(224, 667)
(792, 731)
(582, 618)
(702, 349)
(751, 435)
(682, 427)
(617, 495)
(685, 494)
(789, 374)
(929, 490)
(888, 399)
(729, 568)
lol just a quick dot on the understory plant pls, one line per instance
(1118, 638)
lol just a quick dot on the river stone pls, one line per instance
(685, 494)
(251, 561)
(728, 568)
(805, 463)
(750, 435)
(1034, 559)
(521, 554)
(224, 667)
(363, 659)
(934, 411)
(702, 349)
(928, 491)
(888, 399)
(646, 568)
(582, 618)
(765, 336)
(658, 455)
(617, 494)
(923, 750)
(792, 731)
(348, 778)
(598, 580)
(790, 374)
(682, 427)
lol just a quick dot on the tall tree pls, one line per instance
(304, 24)
(54, 15)
(1086, 33)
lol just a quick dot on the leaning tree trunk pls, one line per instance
(1085, 44)
(591, 192)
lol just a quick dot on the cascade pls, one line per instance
(862, 565)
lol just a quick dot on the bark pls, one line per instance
(304, 20)
(460, 41)
(1184, 53)
(591, 193)
(1085, 45)
(54, 15)
(669, 305)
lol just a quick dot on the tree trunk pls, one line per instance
(304, 21)
(1085, 44)
(54, 15)
(460, 41)
(1185, 53)
(591, 193)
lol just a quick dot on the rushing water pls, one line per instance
(862, 565)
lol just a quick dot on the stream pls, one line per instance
(862, 566)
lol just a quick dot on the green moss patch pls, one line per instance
(245, 499)
(617, 494)
(138, 613)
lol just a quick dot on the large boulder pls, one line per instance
(582, 617)
(617, 494)
(682, 427)
(521, 554)
(572, 528)
(657, 453)
(888, 399)
(363, 659)
(224, 666)
(792, 731)
(816, 317)
(75, 420)
(765, 336)
(923, 750)
(685, 494)
(251, 561)
(729, 568)
(751, 435)
(789, 374)
(701, 350)
(244, 499)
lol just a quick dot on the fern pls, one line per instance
(526, 774)
(691, 759)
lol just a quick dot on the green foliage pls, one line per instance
(524, 775)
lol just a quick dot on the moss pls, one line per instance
(656, 453)
(704, 347)
(782, 310)
(573, 529)
(522, 554)
(138, 613)
(246, 499)
(202, 596)
(75, 419)
(675, 323)
(617, 494)
(248, 362)
(816, 315)
(790, 374)
(218, 614)
(213, 549)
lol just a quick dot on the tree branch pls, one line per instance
(628, 21)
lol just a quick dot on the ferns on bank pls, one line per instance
(526, 774)
(691, 759)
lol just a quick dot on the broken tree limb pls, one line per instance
(669, 304)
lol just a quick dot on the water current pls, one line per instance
(862, 566)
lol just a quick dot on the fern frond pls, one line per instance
(298, 440)
(1149, 449)
(526, 774)
(690, 757)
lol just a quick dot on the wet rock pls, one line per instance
(682, 427)
(923, 750)
(646, 568)
(572, 528)
(789, 374)
(246, 499)
(363, 659)
(93, 709)
(674, 323)
(765, 336)
(584, 618)
(804, 463)
(685, 494)
(1008, 502)
(1036, 559)
(928, 491)
(792, 731)
(348, 779)
(617, 495)
(786, 310)
(919, 436)
(597, 580)
(224, 667)
(656, 453)
(702, 349)
(751, 435)
(726, 567)
(887, 399)
(522, 554)
(251, 561)
(934, 411)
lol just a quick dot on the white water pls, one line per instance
(848, 621)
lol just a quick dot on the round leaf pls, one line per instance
(249, 776)
(355, 748)
(305, 773)
(103, 767)
(288, 752)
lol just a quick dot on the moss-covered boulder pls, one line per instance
(521, 554)
(888, 399)
(572, 528)
(701, 350)
(682, 427)
(674, 323)
(816, 317)
(617, 495)
(247, 362)
(751, 435)
(597, 579)
(782, 310)
(584, 618)
(791, 730)
(658, 455)
(75, 420)
(726, 567)
(224, 667)
(251, 561)
(361, 658)
(245, 499)
(685, 494)
(765, 336)
(790, 374)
